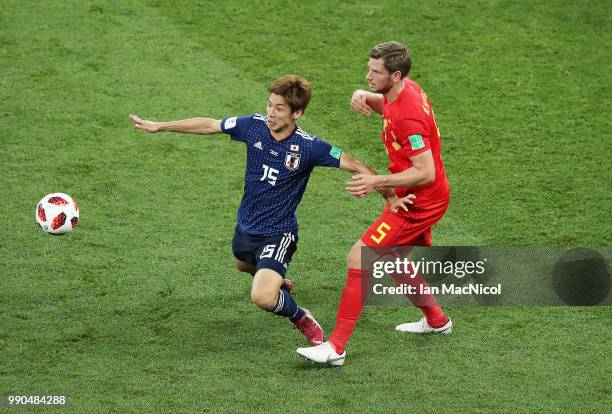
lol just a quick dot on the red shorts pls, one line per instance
(392, 229)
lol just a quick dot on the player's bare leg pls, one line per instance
(353, 259)
(252, 269)
(265, 289)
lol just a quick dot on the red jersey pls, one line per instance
(409, 128)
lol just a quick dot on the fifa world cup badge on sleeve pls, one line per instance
(230, 123)
(416, 142)
(335, 152)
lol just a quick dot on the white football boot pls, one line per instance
(423, 327)
(323, 354)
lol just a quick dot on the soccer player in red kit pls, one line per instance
(412, 141)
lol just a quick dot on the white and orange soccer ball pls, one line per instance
(57, 213)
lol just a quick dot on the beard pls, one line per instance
(383, 88)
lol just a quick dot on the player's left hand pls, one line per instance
(362, 185)
(396, 203)
(149, 126)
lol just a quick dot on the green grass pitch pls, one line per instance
(140, 309)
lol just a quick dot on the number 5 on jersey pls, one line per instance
(269, 174)
(382, 232)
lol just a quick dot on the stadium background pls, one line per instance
(140, 309)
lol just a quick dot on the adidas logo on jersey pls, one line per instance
(258, 145)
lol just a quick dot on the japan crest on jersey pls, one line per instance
(292, 160)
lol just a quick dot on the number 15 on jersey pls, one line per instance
(269, 174)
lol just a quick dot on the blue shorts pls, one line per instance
(265, 252)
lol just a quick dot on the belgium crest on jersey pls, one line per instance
(292, 160)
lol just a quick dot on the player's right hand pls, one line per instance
(359, 103)
(396, 203)
(148, 126)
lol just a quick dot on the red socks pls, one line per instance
(424, 301)
(349, 309)
(355, 294)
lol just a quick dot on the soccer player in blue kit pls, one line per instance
(280, 159)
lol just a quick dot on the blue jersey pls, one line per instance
(276, 173)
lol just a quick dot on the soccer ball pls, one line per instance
(57, 213)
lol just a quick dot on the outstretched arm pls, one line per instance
(203, 126)
(365, 102)
(348, 163)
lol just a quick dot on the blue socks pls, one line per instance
(287, 306)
